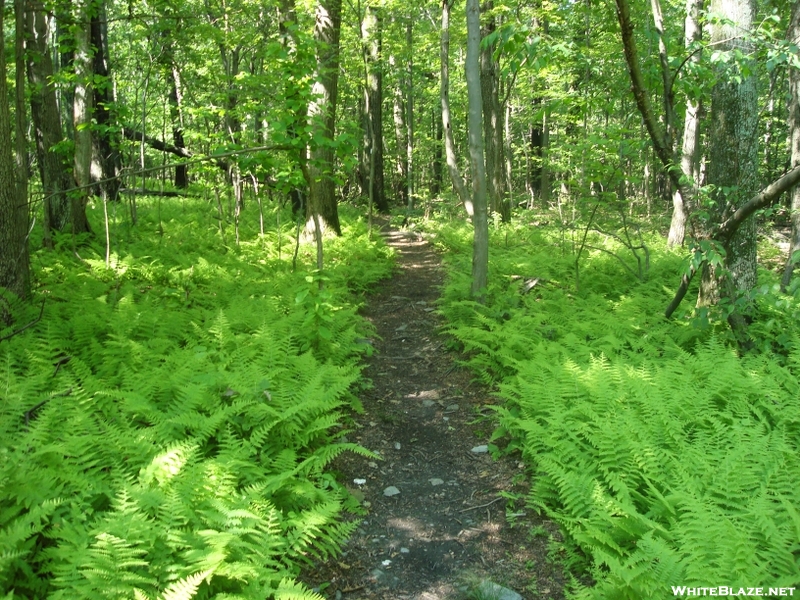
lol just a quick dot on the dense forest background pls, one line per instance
(187, 191)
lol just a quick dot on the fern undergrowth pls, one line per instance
(165, 427)
(666, 458)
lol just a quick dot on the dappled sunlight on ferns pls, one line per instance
(166, 428)
(666, 458)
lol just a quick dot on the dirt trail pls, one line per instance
(447, 528)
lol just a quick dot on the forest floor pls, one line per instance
(438, 524)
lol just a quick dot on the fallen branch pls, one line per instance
(24, 327)
(481, 505)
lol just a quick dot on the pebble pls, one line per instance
(428, 403)
(482, 449)
(404, 550)
(391, 491)
(397, 446)
(359, 481)
(435, 481)
(452, 408)
(492, 590)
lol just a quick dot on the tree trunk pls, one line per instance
(691, 138)
(733, 149)
(493, 123)
(106, 161)
(793, 36)
(322, 207)
(410, 113)
(449, 143)
(436, 183)
(372, 36)
(46, 124)
(176, 116)
(82, 115)
(13, 214)
(295, 104)
(480, 247)
(401, 137)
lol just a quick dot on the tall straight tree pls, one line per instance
(480, 243)
(13, 209)
(793, 36)
(322, 210)
(449, 142)
(106, 160)
(373, 106)
(82, 113)
(691, 126)
(295, 104)
(733, 146)
(493, 120)
(47, 126)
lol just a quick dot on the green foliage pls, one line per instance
(666, 458)
(166, 427)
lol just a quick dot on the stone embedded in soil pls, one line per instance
(451, 408)
(391, 491)
(482, 449)
(428, 403)
(435, 481)
(492, 590)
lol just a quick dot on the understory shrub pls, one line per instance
(165, 427)
(666, 458)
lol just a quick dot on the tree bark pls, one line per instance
(733, 150)
(82, 115)
(295, 104)
(410, 113)
(438, 135)
(793, 36)
(106, 161)
(401, 138)
(322, 206)
(480, 245)
(13, 214)
(493, 123)
(46, 124)
(657, 135)
(691, 135)
(372, 37)
(449, 143)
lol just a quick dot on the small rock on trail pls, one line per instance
(436, 523)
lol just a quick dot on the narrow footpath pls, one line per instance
(439, 526)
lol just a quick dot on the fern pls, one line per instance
(165, 432)
(665, 457)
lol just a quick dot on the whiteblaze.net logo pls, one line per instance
(726, 591)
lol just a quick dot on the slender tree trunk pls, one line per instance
(436, 183)
(480, 247)
(793, 36)
(372, 37)
(46, 124)
(691, 138)
(82, 115)
(401, 137)
(322, 205)
(295, 104)
(21, 122)
(493, 122)
(410, 112)
(449, 143)
(106, 161)
(176, 116)
(13, 215)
